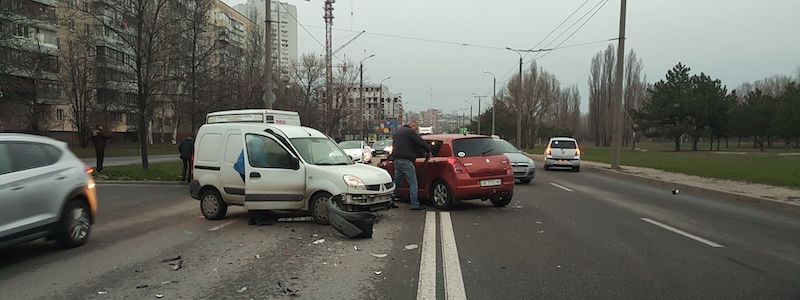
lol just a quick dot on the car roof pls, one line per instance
(21, 137)
(291, 131)
(562, 138)
(452, 137)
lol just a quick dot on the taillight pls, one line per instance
(577, 151)
(457, 166)
(548, 151)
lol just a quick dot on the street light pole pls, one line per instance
(479, 110)
(361, 93)
(494, 95)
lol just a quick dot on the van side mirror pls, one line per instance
(295, 163)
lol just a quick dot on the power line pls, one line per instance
(422, 39)
(559, 25)
(304, 28)
(576, 30)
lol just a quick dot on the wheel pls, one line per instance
(502, 201)
(546, 168)
(525, 180)
(318, 207)
(212, 206)
(441, 195)
(75, 225)
(576, 169)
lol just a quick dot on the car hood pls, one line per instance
(354, 152)
(369, 174)
(517, 157)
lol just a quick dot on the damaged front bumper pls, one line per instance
(365, 202)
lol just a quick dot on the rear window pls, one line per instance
(561, 144)
(476, 147)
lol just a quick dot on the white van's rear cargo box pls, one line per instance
(268, 116)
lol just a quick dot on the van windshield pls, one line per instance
(321, 151)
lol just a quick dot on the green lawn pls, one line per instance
(740, 164)
(129, 149)
(170, 171)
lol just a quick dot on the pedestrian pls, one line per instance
(407, 145)
(100, 141)
(186, 150)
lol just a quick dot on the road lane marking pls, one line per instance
(453, 281)
(215, 228)
(683, 233)
(426, 287)
(561, 187)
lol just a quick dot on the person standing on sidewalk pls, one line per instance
(186, 149)
(407, 145)
(100, 141)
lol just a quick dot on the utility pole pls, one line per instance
(278, 38)
(328, 63)
(361, 99)
(479, 110)
(522, 90)
(616, 135)
(494, 95)
(268, 94)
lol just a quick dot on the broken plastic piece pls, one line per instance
(350, 224)
(411, 247)
(676, 191)
(171, 259)
(356, 247)
(142, 286)
(241, 290)
(378, 272)
(379, 255)
(286, 290)
(319, 241)
(102, 292)
(258, 255)
(159, 296)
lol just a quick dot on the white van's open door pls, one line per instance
(274, 176)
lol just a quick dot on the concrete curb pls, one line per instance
(725, 195)
(140, 182)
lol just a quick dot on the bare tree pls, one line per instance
(309, 76)
(77, 79)
(635, 87)
(345, 80)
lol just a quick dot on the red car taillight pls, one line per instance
(458, 167)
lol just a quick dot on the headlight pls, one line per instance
(354, 182)
(531, 163)
(388, 149)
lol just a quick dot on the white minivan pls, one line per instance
(280, 167)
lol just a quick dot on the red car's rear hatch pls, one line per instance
(480, 156)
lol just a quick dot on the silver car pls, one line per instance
(524, 167)
(46, 192)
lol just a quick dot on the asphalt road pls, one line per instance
(566, 236)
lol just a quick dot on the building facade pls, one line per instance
(430, 118)
(284, 35)
(376, 112)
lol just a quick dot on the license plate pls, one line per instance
(491, 182)
(563, 162)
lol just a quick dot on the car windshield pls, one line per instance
(350, 144)
(505, 147)
(382, 144)
(320, 151)
(476, 147)
(563, 144)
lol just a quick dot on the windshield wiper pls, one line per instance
(333, 164)
(486, 152)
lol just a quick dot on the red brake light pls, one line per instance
(547, 151)
(577, 151)
(457, 166)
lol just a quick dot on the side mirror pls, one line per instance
(295, 162)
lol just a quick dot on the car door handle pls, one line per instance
(255, 175)
(17, 188)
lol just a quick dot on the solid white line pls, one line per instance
(453, 281)
(215, 228)
(683, 233)
(561, 187)
(426, 287)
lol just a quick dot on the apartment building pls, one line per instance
(284, 30)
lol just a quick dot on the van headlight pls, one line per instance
(388, 149)
(355, 182)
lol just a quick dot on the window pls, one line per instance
(476, 147)
(562, 144)
(264, 152)
(31, 155)
(59, 114)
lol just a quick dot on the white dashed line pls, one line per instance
(683, 233)
(426, 287)
(453, 281)
(561, 187)
(215, 228)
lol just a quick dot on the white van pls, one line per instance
(281, 167)
(267, 116)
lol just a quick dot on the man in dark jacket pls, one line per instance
(407, 145)
(100, 140)
(186, 149)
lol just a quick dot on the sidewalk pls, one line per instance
(782, 195)
(132, 160)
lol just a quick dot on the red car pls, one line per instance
(463, 167)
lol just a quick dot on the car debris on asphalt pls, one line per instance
(142, 286)
(356, 248)
(159, 296)
(241, 290)
(286, 290)
(350, 224)
(319, 241)
(171, 259)
(411, 247)
(675, 191)
(378, 272)
(102, 292)
(379, 255)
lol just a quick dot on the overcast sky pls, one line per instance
(736, 41)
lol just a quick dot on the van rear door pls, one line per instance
(274, 176)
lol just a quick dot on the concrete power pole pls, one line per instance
(616, 135)
(328, 64)
(268, 94)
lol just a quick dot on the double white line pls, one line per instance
(453, 281)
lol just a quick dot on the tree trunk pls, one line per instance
(519, 129)
(677, 144)
(711, 147)
(695, 140)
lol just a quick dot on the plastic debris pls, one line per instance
(518, 206)
(558, 266)
(168, 282)
(356, 248)
(176, 265)
(350, 224)
(241, 290)
(411, 247)
(171, 259)
(296, 219)
(319, 241)
(258, 256)
(541, 231)
(142, 286)
(676, 191)
(102, 292)
(379, 255)
(537, 222)
(159, 296)
(286, 290)
(378, 272)
(188, 232)
(315, 235)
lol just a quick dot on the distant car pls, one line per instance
(382, 148)
(45, 192)
(359, 151)
(464, 167)
(524, 167)
(562, 152)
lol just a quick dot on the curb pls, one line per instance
(140, 182)
(724, 195)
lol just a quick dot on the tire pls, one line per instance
(526, 180)
(75, 225)
(212, 206)
(318, 208)
(576, 169)
(441, 196)
(502, 201)
(546, 168)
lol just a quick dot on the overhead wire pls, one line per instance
(574, 32)
(288, 11)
